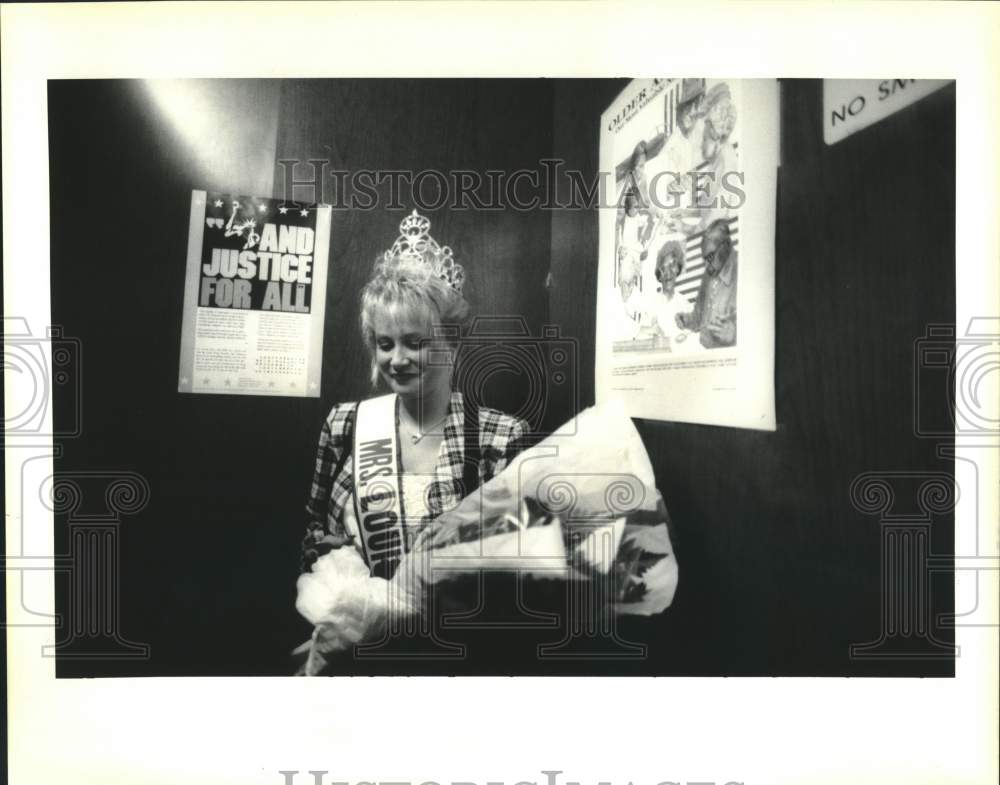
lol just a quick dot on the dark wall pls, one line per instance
(780, 573)
(226, 474)
(438, 125)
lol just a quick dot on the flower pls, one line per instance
(337, 580)
(345, 603)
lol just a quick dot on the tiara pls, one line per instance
(416, 244)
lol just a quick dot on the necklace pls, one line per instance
(418, 436)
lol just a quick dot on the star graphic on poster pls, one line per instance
(282, 210)
(304, 212)
(184, 380)
(218, 203)
(262, 208)
(313, 385)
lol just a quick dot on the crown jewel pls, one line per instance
(416, 244)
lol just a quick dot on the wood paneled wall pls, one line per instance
(780, 572)
(422, 126)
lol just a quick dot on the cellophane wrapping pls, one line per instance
(580, 505)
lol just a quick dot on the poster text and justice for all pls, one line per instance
(277, 276)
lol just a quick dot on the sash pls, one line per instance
(378, 493)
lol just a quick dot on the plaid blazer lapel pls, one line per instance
(451, 459)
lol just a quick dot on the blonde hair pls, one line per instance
(409, 284)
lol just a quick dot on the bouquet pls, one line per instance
(345, 603)
(578, 506)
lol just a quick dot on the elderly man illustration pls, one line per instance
(714, 314)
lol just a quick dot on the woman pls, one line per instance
(388, 466)
(668, 303)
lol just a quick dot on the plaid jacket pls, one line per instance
(501, 437)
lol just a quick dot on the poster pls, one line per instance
(685, 305)
(254, 296)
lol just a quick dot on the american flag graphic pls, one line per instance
(671, 100)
